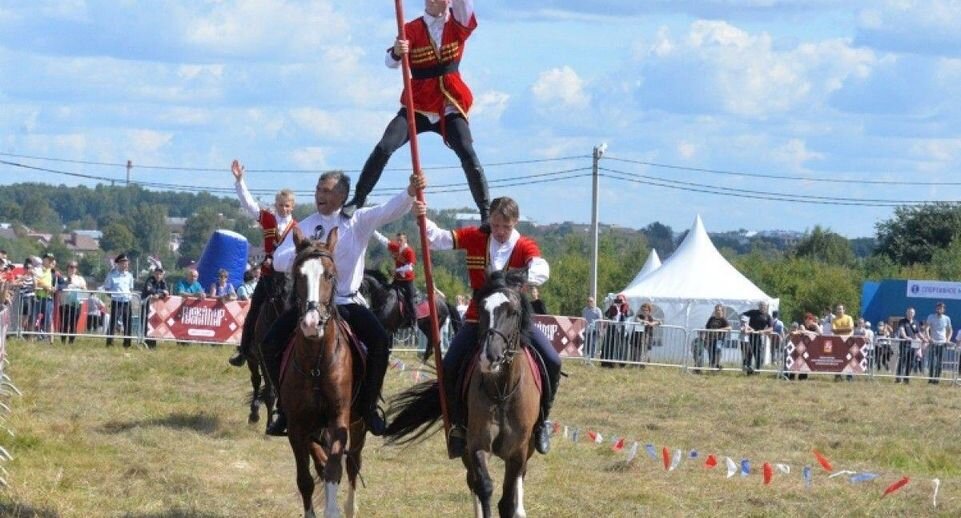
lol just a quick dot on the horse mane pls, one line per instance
(377, 275)
(512, 280)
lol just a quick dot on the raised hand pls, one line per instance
(237, 170)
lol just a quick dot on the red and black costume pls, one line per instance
(441, 100)
(404, 261)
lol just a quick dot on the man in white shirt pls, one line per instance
(353, 235)
(938, 329)
(119, 283)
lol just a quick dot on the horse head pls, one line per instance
(505, 318)
(315, 282)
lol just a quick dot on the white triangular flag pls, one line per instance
(842, 472)
(676, 460)
(633, 452)
(731, 467)
(936, 483)
(599, 439)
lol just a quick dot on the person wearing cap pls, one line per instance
(276, 224)
(155, 287)
(119, 283)
(68, 286)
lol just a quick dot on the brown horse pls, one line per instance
(262, 391)
(503, 400)
(318, 388)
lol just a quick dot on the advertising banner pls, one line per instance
(196, 320)
(934, 290)
(837, 354)
(565, 333)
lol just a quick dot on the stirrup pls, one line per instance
(456, 441)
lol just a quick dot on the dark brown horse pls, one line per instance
(503, 400)
(385, 302)
(318, 387)
(271, 308)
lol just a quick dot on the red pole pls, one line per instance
(422, 220)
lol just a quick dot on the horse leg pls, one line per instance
(334, 469)
(511, 504)
(255, 383)
(358, 435)
(300, 444)
(479, 481)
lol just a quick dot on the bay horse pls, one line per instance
(321, 379)
(385, 303)
(503, 399)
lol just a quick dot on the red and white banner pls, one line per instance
(565, 333)
(806, 353)
(196, 320)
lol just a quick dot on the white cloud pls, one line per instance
(490, 105)
(686, 150)
(561, 88)
(794, 154)
(928, 27)
(145, 141)
(312, 157)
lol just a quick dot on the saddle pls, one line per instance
(535, 363)
(357, 349)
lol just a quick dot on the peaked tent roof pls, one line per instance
(696, 271)
(653, 263)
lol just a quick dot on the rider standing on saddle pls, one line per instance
(441, 98)
(502, 249)
(404, 261)
(275, 226)
(353, 235)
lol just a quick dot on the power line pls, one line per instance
(758, 195)
(782, 177)
(290, 171)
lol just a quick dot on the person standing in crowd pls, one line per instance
(537, 304)
(119, 284)
(827, 321)
(189, 286)
(95, 313)
(612, 349)
(908, 334)
(442, 100)
(501, 249)
(4, 261)
(46, 285)
(155, 287)
(757, 326)
(882, 346)
(222, 289)
(591, 313)
(246, 290)
(938, 331)
(842, 324)
(276, 225)
(713, 338)
(404, 261)
(70, 285)
(644, 334)
(27, 283)
(777, 337)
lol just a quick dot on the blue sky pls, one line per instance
(804, 90)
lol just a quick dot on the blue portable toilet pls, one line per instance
(225, 249)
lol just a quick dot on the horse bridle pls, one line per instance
(327, 310)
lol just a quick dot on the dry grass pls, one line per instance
(108, 432)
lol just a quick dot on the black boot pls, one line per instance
(457, 436)
(376, 369)
(542, 436)
(369, 176)
(238, 358)
(478, 189)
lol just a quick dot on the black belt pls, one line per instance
(434, 71)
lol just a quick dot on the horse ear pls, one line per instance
(332, 239)
(300, 242)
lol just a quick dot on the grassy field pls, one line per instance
(111, 432)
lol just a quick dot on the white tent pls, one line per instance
(653, 263)
(695, 278)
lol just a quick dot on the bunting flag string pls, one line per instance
(672, 462)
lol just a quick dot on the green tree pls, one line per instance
(915, 233)
(153, 236)
(197, 231)
(117, 237)
(825, 246)
(60, 251)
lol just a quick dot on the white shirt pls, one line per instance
(382, 239)
(463, 10)
(497, 254)
(352, 237)
(252, 208)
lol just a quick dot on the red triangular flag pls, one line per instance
(666, 455)
(619, 445)
(592, 435)
(768, 473)
(823, 461)
(711, 461)
(895, 486)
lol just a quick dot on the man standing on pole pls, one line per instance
(442, 100)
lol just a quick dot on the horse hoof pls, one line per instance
(253, 418)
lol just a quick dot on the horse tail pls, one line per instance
(412, 414)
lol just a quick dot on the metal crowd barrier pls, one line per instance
(7, 389)
(80, 313)
(634, 343)
(905, 360)
(713, 349)
(413, 340)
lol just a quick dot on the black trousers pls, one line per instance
(905, 360)
(119, 309)
(458, 137)
(69, 314)
(407, 292)
(264, 287)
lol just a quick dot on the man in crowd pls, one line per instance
(842, 324)
(938, 331)
(189, 286)
(154, 287)
(119, 283)
(69, 286)
(590, 314)
(758, 324)
(909, 335)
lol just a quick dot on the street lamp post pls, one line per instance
(598, 153)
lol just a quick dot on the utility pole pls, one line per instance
(598, 153)
(129, 167)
